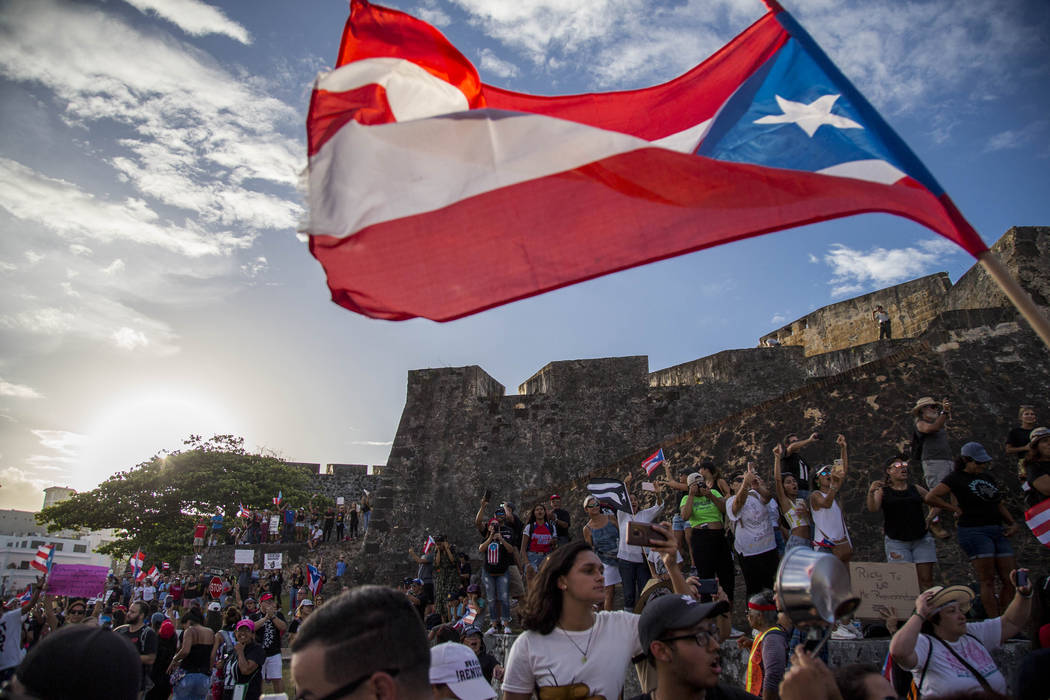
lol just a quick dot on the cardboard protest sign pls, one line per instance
(78, 580)
(244, 556)
(884, 585)
(340, 500)
(272, 560)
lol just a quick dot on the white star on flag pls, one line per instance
(809, 117)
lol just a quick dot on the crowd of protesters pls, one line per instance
(552, 576)
(285, 524)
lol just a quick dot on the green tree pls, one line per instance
(155, 505)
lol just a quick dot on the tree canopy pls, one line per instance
(155, 505)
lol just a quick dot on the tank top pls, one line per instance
(902, 513)
(935, 445)
(828, 525)
(606, 542)
(198, 660)
(797, 516)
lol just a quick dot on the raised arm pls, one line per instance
(927, 427)
(843, 453)
(740, 497)
(875, 496)
(778, 479)
(1019, 610)
(799, 444)
(479, 518)
(902, 646)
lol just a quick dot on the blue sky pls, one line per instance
(152, 283)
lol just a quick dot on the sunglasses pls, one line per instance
(702, 636)
(350, 687)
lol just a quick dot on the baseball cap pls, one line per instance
(167, 630)
(1038, 434)
(265, 596)
(555, 496)
(214, 605)
(307, 601)
(457, 666)
(157, 618)
(245, 623)
(693, 478)
(249, 599)
(976, 452)
(674, 612)
(418, 580)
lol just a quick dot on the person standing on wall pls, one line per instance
(880, 316)
(561, 519)
(930, 444)
(1017, 441)
(907, 537)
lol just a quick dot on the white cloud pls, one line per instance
(855, 271)
(432, 14)
(18, 391)
(194, 18)
(114, 267)
(62, 441)
(74, 213)
(777, 319)
(491, 64)
(255, 267)
(1017, 138)
(77, 249)
(20, 490)
(129, 339)
(201, 133)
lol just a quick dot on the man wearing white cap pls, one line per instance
(456, 673)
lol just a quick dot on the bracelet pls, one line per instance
(1030, 594)
(921, 617)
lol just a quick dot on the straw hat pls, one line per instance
(944, 596)
(924, 401)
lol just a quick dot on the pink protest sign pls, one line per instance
(78, 580)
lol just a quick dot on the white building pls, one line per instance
(20, 536)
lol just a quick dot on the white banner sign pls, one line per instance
(272, 560)
(339, 500)
(244, 556)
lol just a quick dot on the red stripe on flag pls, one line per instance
(378, 32)
(330, 111)
(617, 213)
(655, 112)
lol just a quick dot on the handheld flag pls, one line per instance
(1038, 520)
(277, 498)
(429, 545)
(612, 493)
(26, 596)
(45, 557)
(137, 561)
(313, 579)
(433, 195)
(153, 574)
(653, 461)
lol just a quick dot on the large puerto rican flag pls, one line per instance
(434, 195)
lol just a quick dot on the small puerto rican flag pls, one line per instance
(1038, 520)
(137, 561)
(26, 596)
(45, 557)
(313, 579)
(653, 461)
(153, 574)
(277, 499)
(429, 545)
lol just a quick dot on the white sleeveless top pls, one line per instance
(829, 525)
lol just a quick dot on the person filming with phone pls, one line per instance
(754, 539)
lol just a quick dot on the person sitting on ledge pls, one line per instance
(937, 641)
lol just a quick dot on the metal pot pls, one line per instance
(814, 587)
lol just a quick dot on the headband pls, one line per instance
(765, 607)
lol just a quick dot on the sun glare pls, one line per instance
(131, 429)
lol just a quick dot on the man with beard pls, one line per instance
(143, 638)
(269, 626)
(680, 639)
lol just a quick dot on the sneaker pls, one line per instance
(491, 630)
(938, 530)
(506, 629)
(844, 632)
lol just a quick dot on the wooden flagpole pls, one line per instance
(1035, 316)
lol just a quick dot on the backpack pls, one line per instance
(917, 439)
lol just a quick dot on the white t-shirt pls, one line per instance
(553, 660)
(148, 593)
(945, 675)
(632, 552)
(754, 533)
(11, 636)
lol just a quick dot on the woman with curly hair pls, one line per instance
(567, 643)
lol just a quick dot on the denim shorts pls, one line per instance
(535, 559)
(796, 541)
(677, 524)
(920, 551)
(985, 542)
